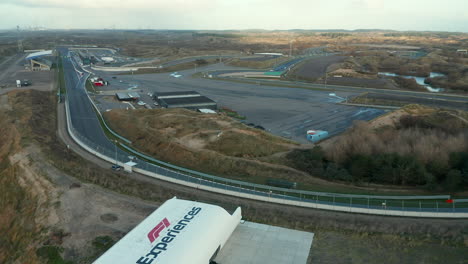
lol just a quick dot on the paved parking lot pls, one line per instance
(13, 69)
(285, 112)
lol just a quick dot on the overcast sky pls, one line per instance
(437, 15)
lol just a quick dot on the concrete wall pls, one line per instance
(120, 69)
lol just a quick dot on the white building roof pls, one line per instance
(255, 243)
(179, 231)
(131, 163)
(107, 59)
(206, 111)
(39, 54)
(269, 54)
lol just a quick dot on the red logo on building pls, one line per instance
(154, 233)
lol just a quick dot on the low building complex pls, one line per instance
(189, 102)
(184, 99)
(171, 95)
(40, 61)
(182, 231)
(132, 96)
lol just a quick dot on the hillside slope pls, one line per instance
(210, 143)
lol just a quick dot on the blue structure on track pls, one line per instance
(316, 135)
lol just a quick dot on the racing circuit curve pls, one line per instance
(85, 128)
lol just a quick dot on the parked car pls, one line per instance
(26, 83)
(116, 167)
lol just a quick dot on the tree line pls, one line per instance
(419, 151)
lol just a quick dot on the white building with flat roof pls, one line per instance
(38, 61)
(179, 231)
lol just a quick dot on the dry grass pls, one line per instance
(18, 227)
(387, 136)
(22, 207)
(210, 143)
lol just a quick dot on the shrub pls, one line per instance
(454, 180)
(52, 255)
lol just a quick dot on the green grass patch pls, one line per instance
(100, 245)
(232, 113)
(258, 64)
(90, 87)
(61, 77)
(103, 243)
(51, 254)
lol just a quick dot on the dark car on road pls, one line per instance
(116, 167)
(26, 83)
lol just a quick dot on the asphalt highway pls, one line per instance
(83, 116)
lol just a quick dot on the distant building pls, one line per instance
(107, 59)
(462, 51)
(195, 102)
(184, 99)
(206, 111)
(40, 61)
(170, 95)
(127, 96)
(269, 54)
(182, 231)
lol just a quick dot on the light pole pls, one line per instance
(326, 76)
(115, 144)
(290, 47)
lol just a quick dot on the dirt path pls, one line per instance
(85, 211)
(459, 117)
